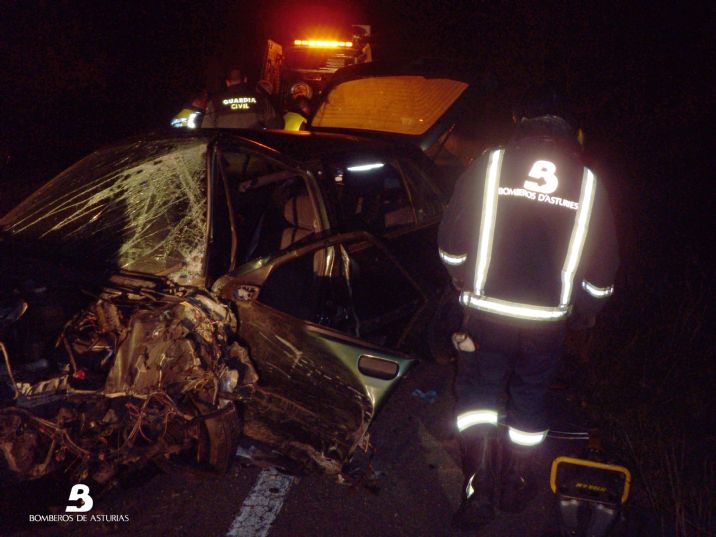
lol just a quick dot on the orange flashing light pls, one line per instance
(322, 43)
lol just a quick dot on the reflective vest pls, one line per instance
(292, 121)
(528, 229)
(187, 118)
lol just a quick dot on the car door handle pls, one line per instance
(379, 368)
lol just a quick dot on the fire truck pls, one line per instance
(305, 65)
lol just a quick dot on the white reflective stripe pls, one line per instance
(476, 417)
(469, 491)
(597, 292)
(523, 438)
(514, 309)
(487, 223)
(191, 122)
(450, 259)
(365, 167)
(579, 235)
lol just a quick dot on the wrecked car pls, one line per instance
(171, 296)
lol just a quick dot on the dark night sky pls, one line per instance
(78, 74)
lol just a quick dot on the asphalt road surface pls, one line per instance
(417, 489)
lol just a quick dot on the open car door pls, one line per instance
(417, 102)
(322, 323)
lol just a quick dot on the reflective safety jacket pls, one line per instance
(529, 234)
(240, 107)
(188, 118)
(293, 121)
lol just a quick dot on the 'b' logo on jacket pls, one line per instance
(543, 169)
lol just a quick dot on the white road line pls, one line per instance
(262, 505)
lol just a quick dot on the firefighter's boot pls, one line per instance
(517, 480)
(479, 459)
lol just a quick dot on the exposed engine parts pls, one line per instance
(136, 376)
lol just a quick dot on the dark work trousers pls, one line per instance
(510, 361)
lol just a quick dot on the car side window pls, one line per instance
(384, 298)
(271, 204)
(373, 197)
(426, 198)
(355, 288)
(313, 287)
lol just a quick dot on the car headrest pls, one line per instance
(298, 211)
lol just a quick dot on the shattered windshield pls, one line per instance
(139, 207)
(397, 104)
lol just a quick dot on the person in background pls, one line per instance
(298, 113)
(529, 241)
(240, 106)
(191, 115)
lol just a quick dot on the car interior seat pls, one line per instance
(300, 216)
(396, 207)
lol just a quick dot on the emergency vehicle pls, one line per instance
(305, 65)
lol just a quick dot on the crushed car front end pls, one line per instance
(112, 353)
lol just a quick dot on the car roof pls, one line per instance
(298, 147)
(307, 146)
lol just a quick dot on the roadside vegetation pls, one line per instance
(647, 375)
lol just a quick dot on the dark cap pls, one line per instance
(541, 100)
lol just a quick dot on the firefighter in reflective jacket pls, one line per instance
(529, 240)
(240, 107)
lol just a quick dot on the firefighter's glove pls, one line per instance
(581, 321)
(463, 342)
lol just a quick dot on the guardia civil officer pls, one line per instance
(529, 241)
(240, 106)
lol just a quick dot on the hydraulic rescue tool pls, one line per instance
(590, 493)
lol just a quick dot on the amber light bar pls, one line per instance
(321, 43)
